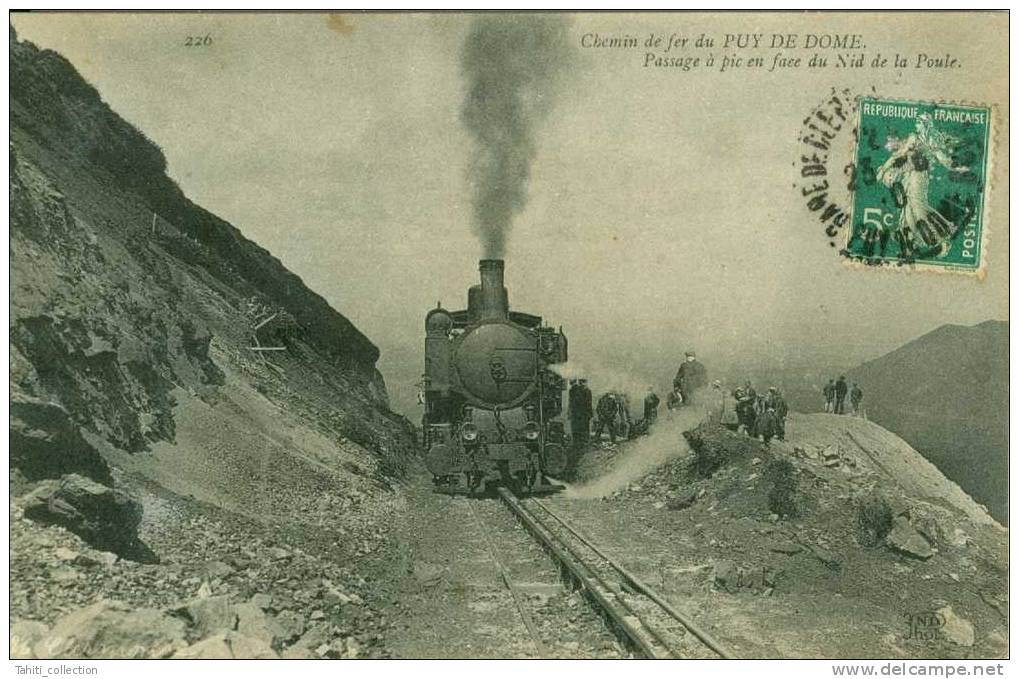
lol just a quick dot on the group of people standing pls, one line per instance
(612, 412)
(835, 393)
(760, 416)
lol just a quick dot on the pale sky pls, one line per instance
(662, 214)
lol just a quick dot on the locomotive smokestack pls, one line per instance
(489, 300)
(492, 274)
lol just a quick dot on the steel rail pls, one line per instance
(525, 614)
(643, 587)
(643, 636)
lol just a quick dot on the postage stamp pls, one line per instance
(919, 187)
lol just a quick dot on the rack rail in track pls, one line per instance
(651, 625)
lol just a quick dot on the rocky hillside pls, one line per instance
(947, 394)
(834, 543)
(169, 377)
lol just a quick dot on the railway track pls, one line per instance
(650, 625)
(555, 622)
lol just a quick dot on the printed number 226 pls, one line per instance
(880, 220)
(198, 41)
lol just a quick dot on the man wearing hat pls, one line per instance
(581, 412)
(841, 388)
(692, 375)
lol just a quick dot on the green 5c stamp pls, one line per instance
(919, 184)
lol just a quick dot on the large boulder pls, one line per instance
(682, 499)
(209, 615)
(110, 629)
(956, 629)
(228, 644)
(715, 447)
(25, 634)
(906, 540)
(290, 626)
(46, 443)
(105, 517)
(254, 623)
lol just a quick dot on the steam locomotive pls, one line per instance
(491, 400)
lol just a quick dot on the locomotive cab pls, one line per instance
(491, 399)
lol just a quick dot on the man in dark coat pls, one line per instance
(651, 402)
(774, 401)
(581, 411)
(766, 425)
(856, 398)
(692, 375)
(608, 409)
(746, 402)
(829, 396)
(840, 395)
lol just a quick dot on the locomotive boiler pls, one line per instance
(492, 403)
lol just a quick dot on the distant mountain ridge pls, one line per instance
(946, 393)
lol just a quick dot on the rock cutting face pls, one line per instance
(134, 332)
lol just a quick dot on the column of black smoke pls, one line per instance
(512, 64)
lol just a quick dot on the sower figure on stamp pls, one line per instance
(907, 174)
